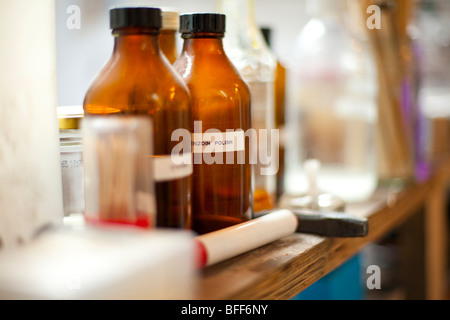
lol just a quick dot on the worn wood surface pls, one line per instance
(411, 269)
(282, 269)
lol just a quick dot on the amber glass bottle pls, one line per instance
(168, 36)
(139, 80)
(222, 189)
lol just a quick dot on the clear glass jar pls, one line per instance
(246, 47)
(71, 148)
(332, 105)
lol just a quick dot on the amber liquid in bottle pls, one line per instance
(167, 43)
(139, 80)
(169, 34)
(280, 122)
(222, 193)
(280, 114)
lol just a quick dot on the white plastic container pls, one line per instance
(118, 176)
(79, 263)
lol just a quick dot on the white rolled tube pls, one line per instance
(223, 244)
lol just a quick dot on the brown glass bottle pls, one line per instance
(168, 36)
(222, 193)
(139, 80)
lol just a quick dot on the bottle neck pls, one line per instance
(243, 35)
(242, 8)
(198, 43)
(136, 42)
(240, 15)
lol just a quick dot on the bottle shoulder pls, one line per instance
(251, 56)
(216, 72)
(124, 85)
(220, 96)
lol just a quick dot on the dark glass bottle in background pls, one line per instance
(139, 80)
(222, 192)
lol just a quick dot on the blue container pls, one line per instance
(343, 283)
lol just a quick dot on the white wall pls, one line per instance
(82, 52)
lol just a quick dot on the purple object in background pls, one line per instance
(412, 112)
(422, 167)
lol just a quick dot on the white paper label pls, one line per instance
(209, 142)
(167, 168)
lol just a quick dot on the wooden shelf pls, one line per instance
(284, 268)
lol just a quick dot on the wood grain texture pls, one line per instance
(436, 235)
(282, 269)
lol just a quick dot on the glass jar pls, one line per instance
(71, 148)
(332, 112)
(30, 175)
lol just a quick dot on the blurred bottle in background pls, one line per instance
(397, 83)
(245, 46)
(332, 108)
(169, 33)
(280, 105)
(432, 33)
(71, 151)
(411, 68)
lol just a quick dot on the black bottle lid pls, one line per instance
(202, 22)
(135, 17)
(267, 34)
